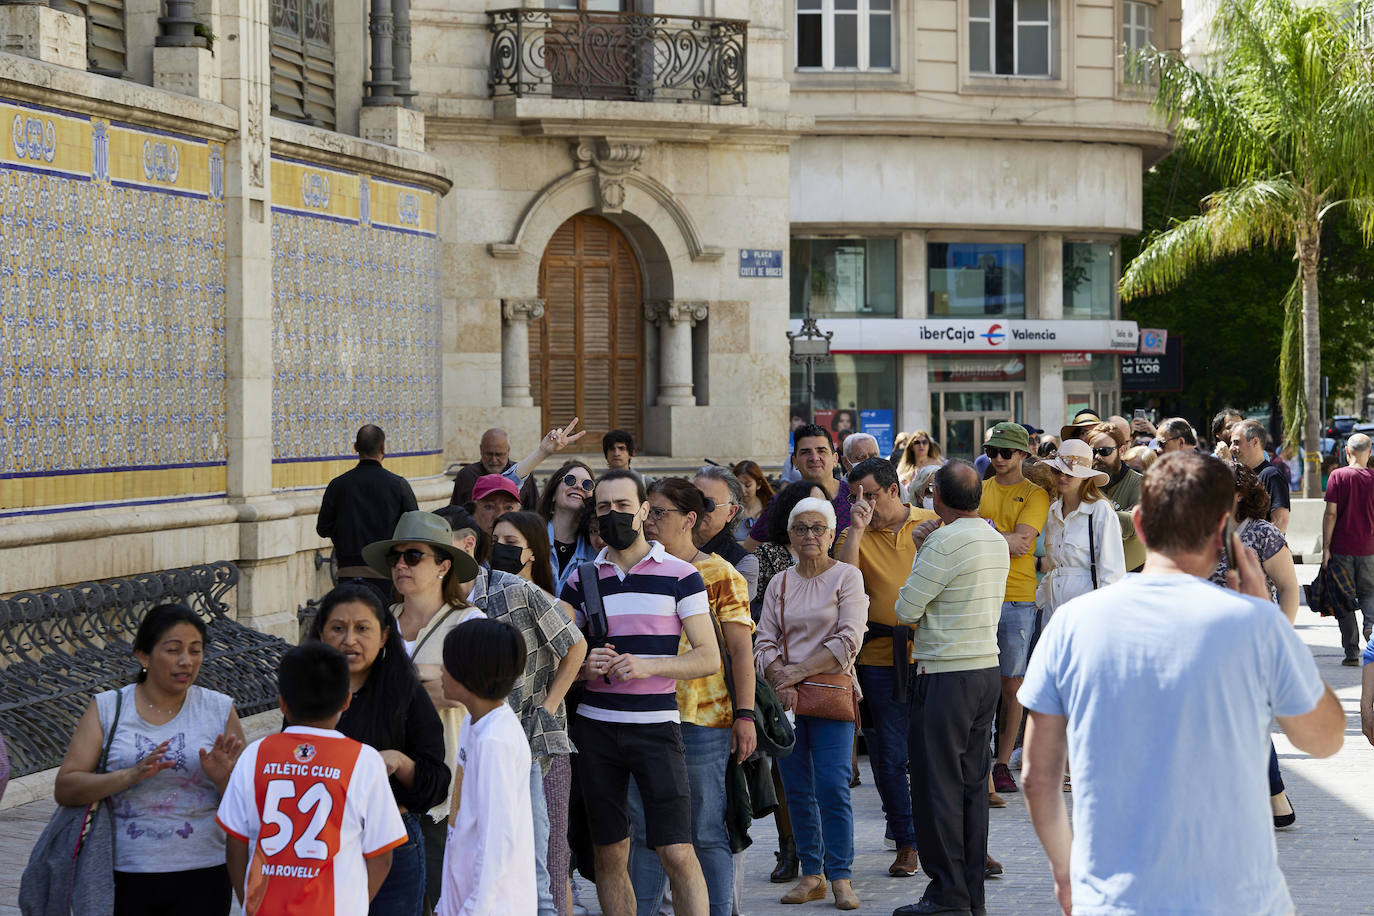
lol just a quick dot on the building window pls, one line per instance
(844, 35)
(1090, 367)
(1089, 279)
(1137, 36)
(970, 279)
(844, 278)
(1012, 37)
(847, 385)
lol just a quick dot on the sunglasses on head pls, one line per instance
(413, 557)
(1006, 454)
(1103, 451)
(572, 481)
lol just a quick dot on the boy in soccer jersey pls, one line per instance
(489, 857)
(311, 807)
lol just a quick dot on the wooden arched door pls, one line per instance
(587, 352)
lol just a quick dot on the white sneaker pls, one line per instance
(1016, 759)
(889, 843)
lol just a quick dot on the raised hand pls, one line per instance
(151, 765)
(218, 762)
(560, 437)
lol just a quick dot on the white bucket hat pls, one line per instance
(1075, 458)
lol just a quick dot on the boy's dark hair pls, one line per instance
(618, 436)
(880, 469)
(485, 656)
(313, 682)
(623, 474)
(810, 431)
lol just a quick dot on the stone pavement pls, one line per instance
(1323, 855)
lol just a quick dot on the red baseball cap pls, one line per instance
(494, 483)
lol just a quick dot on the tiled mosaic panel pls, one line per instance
(112, 304)
(356, 323)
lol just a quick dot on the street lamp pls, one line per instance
(809, 346)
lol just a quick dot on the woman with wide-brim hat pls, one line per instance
(428, 572)
(1082, 535)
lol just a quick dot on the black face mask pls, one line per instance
(507, 558)
(617, 529)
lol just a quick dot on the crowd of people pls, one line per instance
(603, 681)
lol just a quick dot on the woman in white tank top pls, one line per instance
(173, 748)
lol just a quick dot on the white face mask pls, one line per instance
(928, 503)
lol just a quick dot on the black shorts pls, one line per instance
(608, 754)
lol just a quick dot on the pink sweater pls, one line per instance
(828, 611)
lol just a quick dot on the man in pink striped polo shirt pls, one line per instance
(627, 723)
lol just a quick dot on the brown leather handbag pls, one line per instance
(823, 696)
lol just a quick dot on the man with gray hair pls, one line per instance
(1247, 446)
(716, 529)
(858, 448)
(1348, 537)
(495, 459)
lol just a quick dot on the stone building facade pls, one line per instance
(232, 231)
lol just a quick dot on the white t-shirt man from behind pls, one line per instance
(1166, 684)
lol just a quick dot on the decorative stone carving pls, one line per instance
(612, 160)
(522, 309)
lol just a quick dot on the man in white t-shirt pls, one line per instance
(1166, 684)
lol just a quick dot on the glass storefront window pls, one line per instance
(1089, 279)
(976, 368)
(854, 382)
(844, 278)
(1090, 367)
(968, 279)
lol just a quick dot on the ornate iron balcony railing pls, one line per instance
(635, 57)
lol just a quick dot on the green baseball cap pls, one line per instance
(1009, 435)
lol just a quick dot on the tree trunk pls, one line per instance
(1309, 255)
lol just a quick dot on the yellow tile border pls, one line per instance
(288, 475)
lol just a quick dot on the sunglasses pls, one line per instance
(571, 480)
(412, 557)
(1006, 454)
(1103, 451)
(920, 441)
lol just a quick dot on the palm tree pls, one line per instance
(1282, 116)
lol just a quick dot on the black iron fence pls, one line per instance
(634, 57)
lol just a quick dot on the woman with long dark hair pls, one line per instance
(391, 712)
(758, 493)
(561, 506)
(173, 747)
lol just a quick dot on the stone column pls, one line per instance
(400, 50)
(381, 87)
(675, 319)
(516, 315)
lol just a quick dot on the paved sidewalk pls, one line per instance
(1325, 855)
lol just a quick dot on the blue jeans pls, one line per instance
(403, 891)
(887, 750)
(707, 750)
(1275, 776)
(540, 809)
(816, 778)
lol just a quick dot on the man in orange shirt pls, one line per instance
(878, 541)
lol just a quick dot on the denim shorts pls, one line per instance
(1014, 631)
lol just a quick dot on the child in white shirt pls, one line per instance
(489, 858)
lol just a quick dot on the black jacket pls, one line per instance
(360, 506)
(413, 728)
